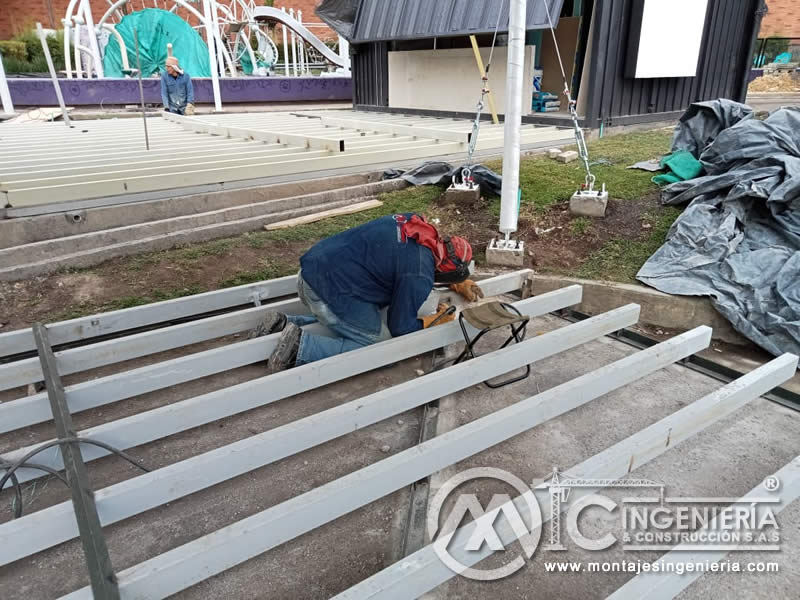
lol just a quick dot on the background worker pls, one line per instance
(177, 91)
(367, 285)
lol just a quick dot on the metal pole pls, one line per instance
(302, 48)
(212, 56)
(5, 94)
(96, 59)
(509, 203)
(285, 48)
(294, 46)
(95, 550)
(53, 76)
(141, 87)
(76, 49)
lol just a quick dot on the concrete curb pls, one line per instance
(658, 309)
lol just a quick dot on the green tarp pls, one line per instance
(156, 28)
(680, 166)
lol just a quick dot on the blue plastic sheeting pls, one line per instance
(738, 241)
(156, 28)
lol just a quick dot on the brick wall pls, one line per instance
(783, 19)
(17, 15)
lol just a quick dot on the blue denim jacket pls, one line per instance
(362, 270)
(176, 92)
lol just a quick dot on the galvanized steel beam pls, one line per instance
(117, 350)
(83, 328)
(54, 525)
(225, 548)
(272, 137)
(95, 550)
(180, 416)
(424, 571)
(98, 392)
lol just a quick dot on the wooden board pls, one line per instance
(335, 212)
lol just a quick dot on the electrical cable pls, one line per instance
(11, 468)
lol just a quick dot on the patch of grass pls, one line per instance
(581, 225)
(202, 250)
(620, 259)
(545, 181)
(269, 269)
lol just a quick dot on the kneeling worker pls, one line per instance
(177, 91)
(347, 281)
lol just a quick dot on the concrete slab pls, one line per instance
(672, 313)
(727, 460)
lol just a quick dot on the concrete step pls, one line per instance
(164, 241)
(38, 252)
(26, 230)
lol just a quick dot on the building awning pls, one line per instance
(363, 21)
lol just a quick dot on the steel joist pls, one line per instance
(195, 561)
(423, 571)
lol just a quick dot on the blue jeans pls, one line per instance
(316, 347)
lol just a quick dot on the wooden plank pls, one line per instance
(334, 212)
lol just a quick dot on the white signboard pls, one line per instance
(671, 38)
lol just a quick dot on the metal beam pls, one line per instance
(95, 550)
(117, 350)
(190, 176)
(417, 132)
(272, 137)
(225, 548)
(52, 526)
(423, 571)
(106, 390)
(666, 585)
(166, 420)
(83, 328)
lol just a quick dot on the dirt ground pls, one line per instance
(557, 243)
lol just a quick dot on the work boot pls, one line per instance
(285, 353)
(273, 322)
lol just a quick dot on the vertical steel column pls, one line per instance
(53, 76)
(285, 47)
(212, 56)
(294, 45)
(101, 572)
(5, 94)
(93, 46)
(509, 204)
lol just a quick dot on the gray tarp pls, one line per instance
(739, 239)
(442, 173)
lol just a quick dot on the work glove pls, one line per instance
(189, 111)
(469, 290)
(439, 317)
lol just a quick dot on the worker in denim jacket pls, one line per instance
(177, 92)
(366, 285)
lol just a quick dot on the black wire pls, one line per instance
(11, 468)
